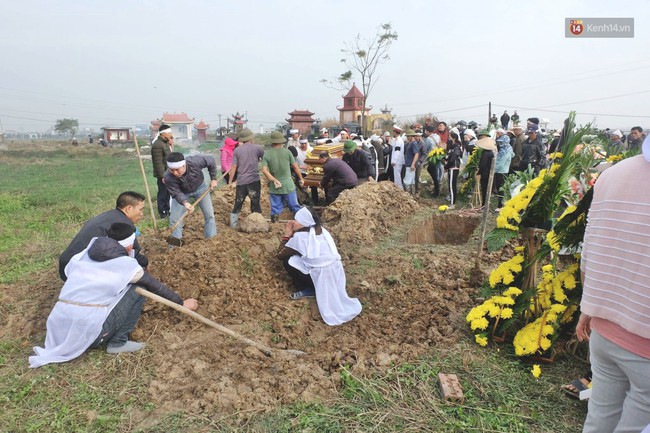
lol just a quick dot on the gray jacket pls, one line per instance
(189, 182)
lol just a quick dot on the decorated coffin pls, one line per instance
(315, 166)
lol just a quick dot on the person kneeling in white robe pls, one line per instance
(98, 304)
(313, 262)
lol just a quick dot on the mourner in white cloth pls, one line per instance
(98, 304)
(294, 141)
(313, 262)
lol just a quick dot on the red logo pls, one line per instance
(576, 27)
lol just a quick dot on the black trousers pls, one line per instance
(499, 180)
(433, 172)
(331, 194)
(251, 190)
(300, 280)
(162, 199)
(484, 185)
(453, 182)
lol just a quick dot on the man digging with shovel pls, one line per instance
(98, 304)
(184, 181)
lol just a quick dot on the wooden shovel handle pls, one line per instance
(262, 348)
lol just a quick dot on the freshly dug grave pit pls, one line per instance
(445, 229)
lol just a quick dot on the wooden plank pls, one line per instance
(450, 388)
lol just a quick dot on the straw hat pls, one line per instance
(487, 143)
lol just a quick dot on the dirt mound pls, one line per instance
(408, 306)
(254, 223)
(368, 211)
(413, 297)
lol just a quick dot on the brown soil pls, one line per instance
(414, 297)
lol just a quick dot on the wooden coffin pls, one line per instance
(314, 165)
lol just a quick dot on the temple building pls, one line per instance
(236, 124)
(117, 133)
(301, 120)
(202, 131)
(352, 107)
(181, 125)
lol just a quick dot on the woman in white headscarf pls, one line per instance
(313, 262)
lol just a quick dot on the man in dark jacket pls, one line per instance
(98, 304)
(517, 147)
(340, 173)
(184, 180)
(162, 146)
(533, 152)
(359, 162)
(505, 119)
(129, 208)
(635, 138)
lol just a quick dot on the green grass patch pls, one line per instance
(92, 394)
(48, 194)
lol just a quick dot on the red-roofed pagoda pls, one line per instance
(201, 131)
(301, 120)
(352, 106)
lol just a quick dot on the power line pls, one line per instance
(565, 112)
(600, 99)
(547, 82)
(441, 111)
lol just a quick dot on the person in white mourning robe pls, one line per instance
(98, 304)
(312, 261)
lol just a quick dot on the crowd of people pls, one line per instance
(398, 155)
(445, 149)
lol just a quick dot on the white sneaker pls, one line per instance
(129, 346)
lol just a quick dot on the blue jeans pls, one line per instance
(278, 200)
(177, 211)
(121, 320)
(439, 171)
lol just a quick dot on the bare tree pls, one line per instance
(363, 56)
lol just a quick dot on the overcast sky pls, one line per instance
(123, 62)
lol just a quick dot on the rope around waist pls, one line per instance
(80, 304)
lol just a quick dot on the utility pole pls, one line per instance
(489, 112)
(219, 125)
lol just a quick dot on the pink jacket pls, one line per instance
(226, 154)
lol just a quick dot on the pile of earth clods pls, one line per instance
(412, 299)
